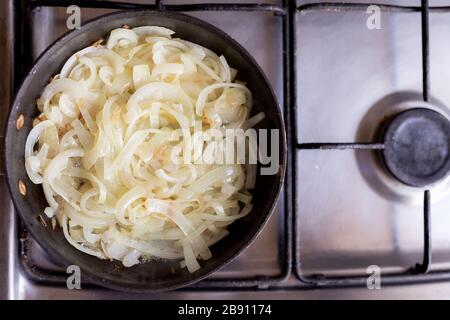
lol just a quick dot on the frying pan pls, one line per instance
(156, 275)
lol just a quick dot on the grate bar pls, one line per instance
(159, 5)
(346, 6)
(340, 146)
(425, 265)
(288, 11)
(425, 50)
(285, 254)
(420, 272)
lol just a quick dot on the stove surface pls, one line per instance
(351, 215)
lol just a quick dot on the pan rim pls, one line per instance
(52, 252)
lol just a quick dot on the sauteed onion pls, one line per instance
(103, 144)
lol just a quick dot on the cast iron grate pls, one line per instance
(419, 272)
(287, 11)
(23, 43)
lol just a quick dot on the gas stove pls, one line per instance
(357, 83)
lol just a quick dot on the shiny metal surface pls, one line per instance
(348, 221)
(369, 163)
(8, 236)
(260, 259)
(346, 224)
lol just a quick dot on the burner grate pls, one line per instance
(288, 12)
(23, 17)
(419, 272)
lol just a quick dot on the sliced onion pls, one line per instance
(146, 31)
(168, 68)
(204, 94)
(131, 258)
(50, 212)
(106, 74)
(67, 106)
(253, 121)
(77, 245)
(72, 62)
(90, 236)
(34, 135)
(160, 91)
(141, 75)
(189, 257)
(117, 62)
(117, 142)
(128, 198)
(121, 37)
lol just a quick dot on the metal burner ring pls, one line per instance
(417, 147)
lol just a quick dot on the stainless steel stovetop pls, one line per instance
(349, 215)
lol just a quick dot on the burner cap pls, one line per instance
(417, 147)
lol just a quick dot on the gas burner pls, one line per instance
(417, 147)
(393, 120)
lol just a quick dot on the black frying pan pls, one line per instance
(155, 275)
